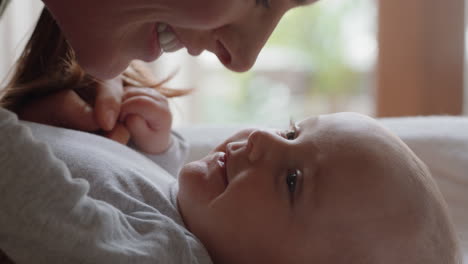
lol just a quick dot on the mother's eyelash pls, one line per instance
(264, 3)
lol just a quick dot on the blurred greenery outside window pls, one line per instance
(320, 59)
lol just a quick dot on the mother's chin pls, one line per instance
(102, 67)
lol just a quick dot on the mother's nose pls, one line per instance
(238, 47)
(243, 57)
(242, 63)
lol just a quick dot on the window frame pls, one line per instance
(420, 69)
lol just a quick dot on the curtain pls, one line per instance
(16, 25)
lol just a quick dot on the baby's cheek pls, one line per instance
(193, 186)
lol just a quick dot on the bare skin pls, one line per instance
(116, 32)
(143, 114)
(358, 190)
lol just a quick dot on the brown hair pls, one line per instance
(48, 65)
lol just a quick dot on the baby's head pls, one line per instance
(337, 188)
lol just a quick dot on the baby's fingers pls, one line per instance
(143, 91)
(156, 113)
(147, 139)
(149, 122)
(119, 133)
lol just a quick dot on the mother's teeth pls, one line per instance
(173, 46)
(166, 37)
(168, 41)
(162, 27)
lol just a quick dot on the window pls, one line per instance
(320, 59)
(420, 66)
(15, 27)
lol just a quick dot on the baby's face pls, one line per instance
(291, 196)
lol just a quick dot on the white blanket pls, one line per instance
(441, 142)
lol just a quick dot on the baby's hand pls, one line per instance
(93, 110)
(146, 114)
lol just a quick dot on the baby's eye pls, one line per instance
(264, 3)
(290, 135)
(291, 180)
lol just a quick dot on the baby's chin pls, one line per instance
(183, 214)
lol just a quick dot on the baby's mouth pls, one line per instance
(168, 39)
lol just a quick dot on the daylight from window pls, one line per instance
(320, 59)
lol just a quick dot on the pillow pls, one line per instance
(442, 143)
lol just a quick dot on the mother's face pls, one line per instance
(108, 34)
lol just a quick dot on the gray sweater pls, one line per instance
(74, 197)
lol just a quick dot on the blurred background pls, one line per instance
(380, 58)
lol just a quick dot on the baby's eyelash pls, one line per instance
(290, 135)
(264, 3)
(291, 181)
(292, 132)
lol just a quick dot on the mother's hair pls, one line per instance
(48, 64)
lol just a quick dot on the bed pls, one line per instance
(440, 141)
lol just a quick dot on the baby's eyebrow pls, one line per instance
(293, 125)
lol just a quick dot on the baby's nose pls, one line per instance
(256, 144)
(233, 146)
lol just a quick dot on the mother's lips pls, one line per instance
(168, 39)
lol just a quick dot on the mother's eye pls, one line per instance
(264, 3)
